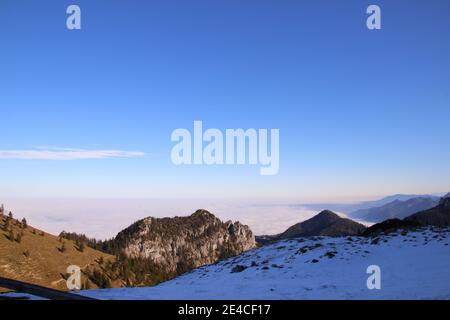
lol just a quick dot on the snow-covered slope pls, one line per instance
(414, 265)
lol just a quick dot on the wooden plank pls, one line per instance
(39, 291)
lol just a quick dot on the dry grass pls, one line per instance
(38, 257)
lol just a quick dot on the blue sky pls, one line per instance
(361, 113)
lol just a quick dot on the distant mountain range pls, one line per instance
(437, 216)
(353, 207)
(416, 211)
(396, 209)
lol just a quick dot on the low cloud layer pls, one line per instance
(109, 216)
(67, 154)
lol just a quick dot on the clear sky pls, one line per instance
(361, 113)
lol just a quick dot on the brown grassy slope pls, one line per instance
(38, 259)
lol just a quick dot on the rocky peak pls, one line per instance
(180, 244)
(203, 213)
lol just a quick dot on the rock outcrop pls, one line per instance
(180, 244)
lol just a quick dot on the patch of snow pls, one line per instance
(414, 265)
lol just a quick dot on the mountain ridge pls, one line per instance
(180, 244)
(325, 223)
(351, 207)
(438, 216)
(396, 209)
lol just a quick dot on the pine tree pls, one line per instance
(24, 223)
(2, 210)
(11, 235)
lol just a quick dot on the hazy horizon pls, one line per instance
(109, 216)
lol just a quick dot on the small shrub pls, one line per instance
(63, 248)
(19, 237)
(238, 268)
(80, 246)
(11, 235)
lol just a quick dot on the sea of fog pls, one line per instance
(104, 218)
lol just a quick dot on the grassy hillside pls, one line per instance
(31, 255)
